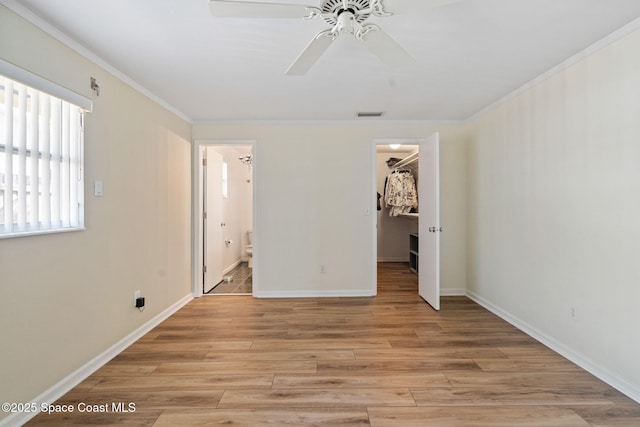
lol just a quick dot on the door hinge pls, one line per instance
(204, 215)
(204, 162)
(204, 268)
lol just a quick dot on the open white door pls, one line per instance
(213, 222)
(429, 221)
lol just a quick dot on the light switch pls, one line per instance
(97, 188)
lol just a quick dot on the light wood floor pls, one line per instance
(384, 361)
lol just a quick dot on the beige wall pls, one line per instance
(314, 184)
(554, 210)
(65, 298)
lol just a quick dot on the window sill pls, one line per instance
(40, 232)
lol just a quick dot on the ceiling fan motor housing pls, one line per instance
(332, 9)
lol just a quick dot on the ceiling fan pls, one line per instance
(344, 17)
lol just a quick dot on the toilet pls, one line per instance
(249, 248)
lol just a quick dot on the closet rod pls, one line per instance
(407, 160)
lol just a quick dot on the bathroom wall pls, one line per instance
(237, 207)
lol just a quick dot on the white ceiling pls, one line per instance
(468, 54)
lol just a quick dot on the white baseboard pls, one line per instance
(584, 362)
(313, 294)
(393, 259)
(453, 292)
(232, 266)
(80, 374)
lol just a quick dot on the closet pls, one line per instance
(398, 204)
(413, 236)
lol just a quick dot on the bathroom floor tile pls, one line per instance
(241, 282)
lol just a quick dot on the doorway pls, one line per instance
(409, 231)
(224, 218)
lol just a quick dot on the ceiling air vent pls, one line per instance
(370, 114)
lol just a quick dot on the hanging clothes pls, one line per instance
(400, 193)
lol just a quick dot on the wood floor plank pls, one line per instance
(453, 341)
(357, 417)
(540, 379)
(282, 355)
(528, 364)
(200, 346)
(156, 399)
(372, 367)
(429, 353)
(389, 360)
(184, 382)
(126, 368)
(306, 344)
(139, 418)
(238, 367)
(529, 351)
(316, 398)
(350, 332)
(395, 380)
(158, 356)
(508, 396)
(610, 416)
(495, 416)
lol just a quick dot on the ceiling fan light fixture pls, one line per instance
(369, 114)
(332, 9)
(345, 17)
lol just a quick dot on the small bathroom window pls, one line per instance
(225, 181)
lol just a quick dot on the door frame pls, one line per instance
(376, 142)
(374, 183)
(197, 231)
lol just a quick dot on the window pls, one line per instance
(41, 161)
(225, 181)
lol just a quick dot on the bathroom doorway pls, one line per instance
(224, 217)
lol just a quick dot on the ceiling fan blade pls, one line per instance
(245, 9)
(385, 48)
(311, 53)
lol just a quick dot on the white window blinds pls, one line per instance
(41, 160)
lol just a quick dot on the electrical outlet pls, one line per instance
(136, 295)
(574, 313)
